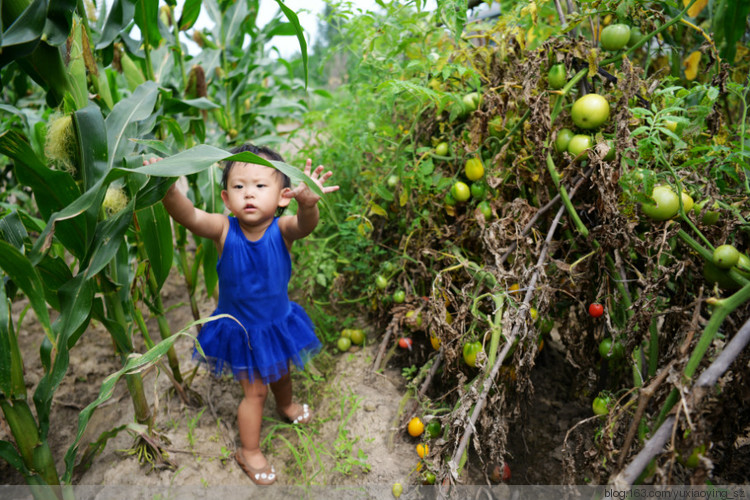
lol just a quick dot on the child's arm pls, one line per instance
(195, 220)
(300, 225)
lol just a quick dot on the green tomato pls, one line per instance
(392, 180)
(611, 350)
(397, 489)
(615, 37)
(635, 36)
(580, 143)
(399, 296)
(357, 336)
(714, 275)
(470, 351)
(471, 101)
(557, 76)
(545, 325)
(726, 256)
(600, 405)
(665, 204)
(563, 139)
(442, 149)
(711, 217)
(461, 191)
(428, 478)
(478, 190)
(343, 344)
(590, 111)
(611, 153)
(449, 199)
(743, 265)
(381, 282)
(434, 429)
(486, 209)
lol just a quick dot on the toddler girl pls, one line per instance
(254, 268)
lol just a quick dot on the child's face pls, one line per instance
(254, 192)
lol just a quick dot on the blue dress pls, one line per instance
(253, 279)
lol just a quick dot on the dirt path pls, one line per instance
(353, 408)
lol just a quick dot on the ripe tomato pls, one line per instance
(343, 344)
(442, 149)
(726, 256)
(580, 143)
(563, 138)
(557, 76)
(499, 473)
(474, 169)
(381, 282)
(596, 310)
(665, 206)
(415, 427)
(461, 191)
(600, 405)
(471, 349)
(590, 111)
(399, 296)
(615, 37)
(405, 343)
(423, 450)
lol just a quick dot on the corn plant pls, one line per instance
(95, 241)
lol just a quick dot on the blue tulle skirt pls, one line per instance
(263, 351)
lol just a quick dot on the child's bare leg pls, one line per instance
(282, 391)
(249, 420)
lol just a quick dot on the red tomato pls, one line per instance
(405, 343)
(596, 310)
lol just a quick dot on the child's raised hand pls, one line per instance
(304, 195)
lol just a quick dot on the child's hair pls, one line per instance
(264, 152)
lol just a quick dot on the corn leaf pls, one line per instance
(147, 19)
(109, 233)
(190, 12)
(24, 33)
(122, 121)
(23, 273)
(59, 21)
(120, 16)
(294, 20)
(156, 232)
(52, 189)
